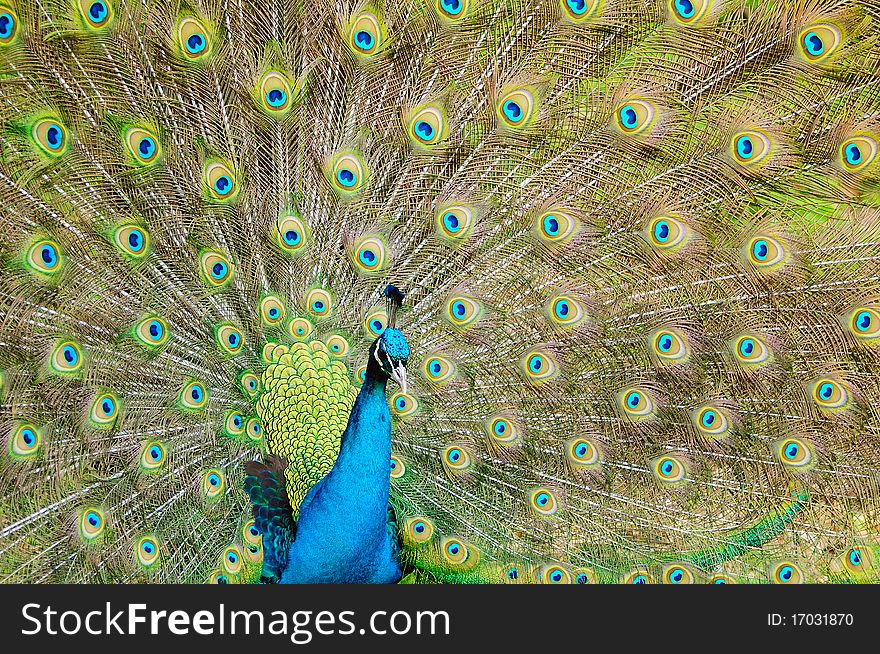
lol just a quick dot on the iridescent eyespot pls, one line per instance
(8, 25)
(456, 458)
(786, 572)
(67, 358)
(750, 351)
(254, 430)
(711, 421)
(669, 469)
(721, 579)
(427, 126)
(751, 147)
(95, 13)
(250, 384)
(142, 145)
(215, 268)
(232, 560)
(50, 135)
(229, 339)
(454, 223)
(275, 93)
(689, 12)
(369, 254)
(365, 35)
(419, 529)
(516, 108)
(637, 577)
(337, 345)
(858, 560)
(92, 523)
(579, 10)
(543, 502)
(213, 484)
(272, 310)
(220, 181)
(153, 456)
(669, 346)
(456, 552)
(819, 42)
(667, 234)
(503, 431)
(146, 551)
(554, 574)
(300, 329)
(857, 153)
(291, 234)
(452, 9)
(132, 240)
(193, 39)
(511, 575)
(193, 396)
(556, 226)
(634, 116)
(636, 404)
(234, 423)
(375, 323)
(43, 257)
(583, 576)
(438, 369)
(794, 452)
(829, 394)
(864, 323)
(151, 332)
(347, 174)
(104, 409)
(462, 311)
(397, 468)
(583, 453)
(677, 574)
(765, 253)
(564, 311)
(404, 405)
(24, 441)
(251, 534)
(218, 578)
(360, 375)
(319, 303)
(538, 366)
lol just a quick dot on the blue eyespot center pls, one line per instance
(147, 548)
(562, 309)
(195, 43)
(863, 321)
(853, 154)
(450, 220)
(512, 573)
(684, 8)
(661, 231)
(628, 117)
(368, 257)
(146, 147)
(346, 177)
(786, 573)
(291, 237)
(223, 185)
(54, 136)
(744, 147)
(155, 329)
(452, 7)
(708, 418)
(48, 255)
(640, 579)
(419, 527)
(93, 519)
(791, 451)
(556, 576)
(7, 25)
(28, 437)
(633, 399)
(364, 40)
(513, 111)
(813, 44)
(454, 455)
(760, 250)
(542, 499)
(826, 391)
(747, 347)
(536, 363)
(155, 453)
(214, 480)
(276, 97)
(424, 130)
(70, 355)
(551, 225)
(98, 11)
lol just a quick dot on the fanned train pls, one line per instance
(618, 261)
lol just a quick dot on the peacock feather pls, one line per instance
(637, 244)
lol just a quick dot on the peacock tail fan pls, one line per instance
(638, 244)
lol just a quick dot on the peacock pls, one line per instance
(440, 291)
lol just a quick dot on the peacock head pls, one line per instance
(390, 353)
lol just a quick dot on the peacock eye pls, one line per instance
(463, 311)
(669, 469)
(556, 226)
(538, 366)
(819, 42)
(96, 13)
(319, 303)
(787, 572)
(794, 453)
(369, 254)
(689, 12)
(636, 404)
(711, 421)
(427, 126)
(857, 153)
(666, 234)
(555, 574)
(751, 351)
(750, 147)
(24, 441)
(404, 405)
(503, 431)
(438, 369)
(669, 346)
(454, 223)
(365, 36)
(221, 181)
(516, 108)
(216, 269)
(455, 551)
(92, 523)
(193, 39)
(564, 311)
(579, 10)
(829, 394)
(347, 174)
(543, 502)
(676, 574)
(634, 117)
(43, 258)
(193, 396)
(765, 252)
(213, 484)
(66, 358)
(456, 458)
(419, 529)
(452, 9)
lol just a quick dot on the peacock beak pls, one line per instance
(398, 374)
